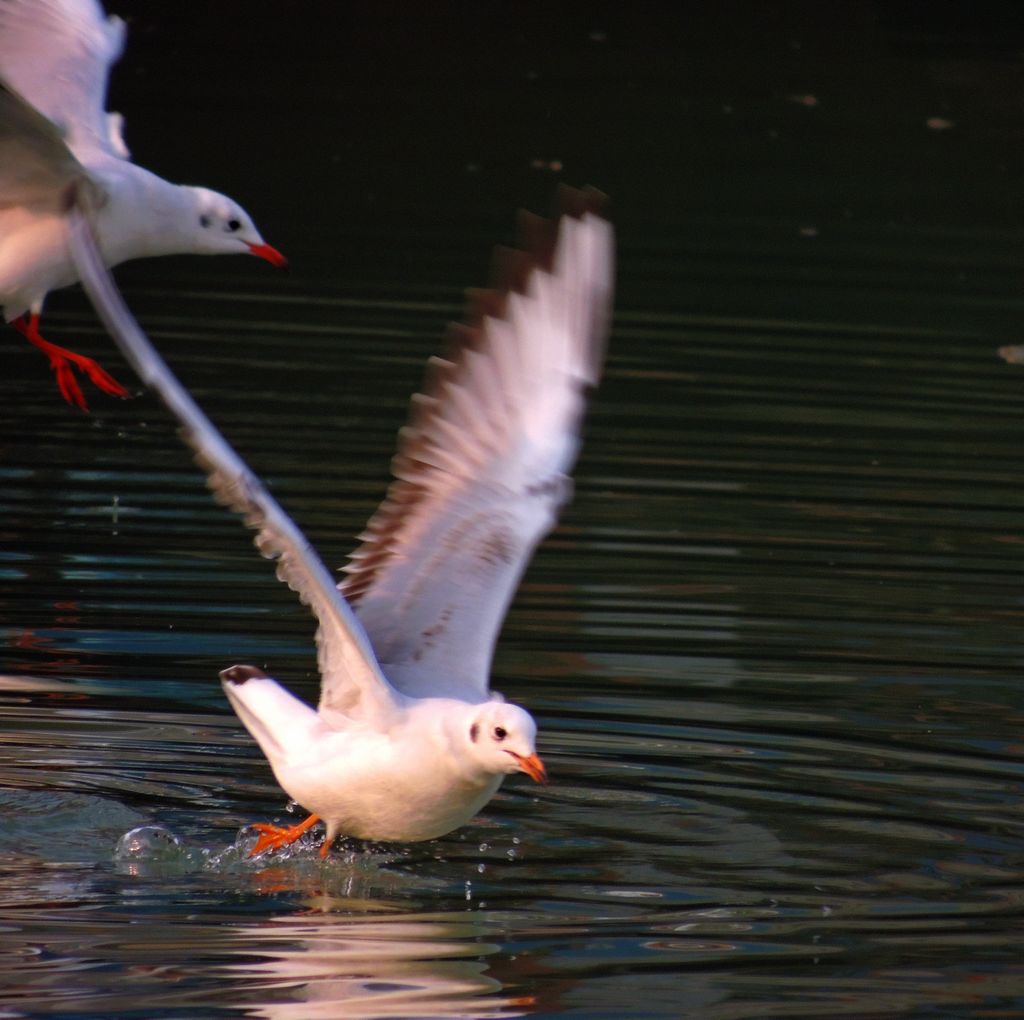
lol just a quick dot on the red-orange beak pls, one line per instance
(532, 766)
(269, 254)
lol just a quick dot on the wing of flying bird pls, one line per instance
(352, 680)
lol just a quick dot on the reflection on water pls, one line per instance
(774, 647)
(369, 967)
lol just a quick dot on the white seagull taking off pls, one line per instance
(55, 56)
(408, 742)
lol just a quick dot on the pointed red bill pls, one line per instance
(532, 766)
(269, 254)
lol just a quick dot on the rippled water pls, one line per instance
(774, 646)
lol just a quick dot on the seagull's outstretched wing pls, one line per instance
(352, 681)
(481, 470)
(57, 54)
(36, 167)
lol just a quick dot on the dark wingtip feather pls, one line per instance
(238, 675)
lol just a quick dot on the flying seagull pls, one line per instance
(408, 742)
(55, 56)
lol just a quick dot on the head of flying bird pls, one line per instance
(222, 227)
(501, 739)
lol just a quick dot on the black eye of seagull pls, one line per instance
(499, 733)
(474, 731)
(234, 225)
(204, 220)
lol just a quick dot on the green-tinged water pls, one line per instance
(774, 647)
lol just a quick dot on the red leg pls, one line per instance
(273, 837)
(61, 361)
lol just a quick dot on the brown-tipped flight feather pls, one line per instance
(418, 451)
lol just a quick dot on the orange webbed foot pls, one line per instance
(68, 384)
(61, 361)
(98, 375)
(273, 837)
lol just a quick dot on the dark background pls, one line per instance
(357, 119)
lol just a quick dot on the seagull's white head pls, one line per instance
(501, 738)
(222, 227)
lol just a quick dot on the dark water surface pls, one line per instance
(774, 647)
